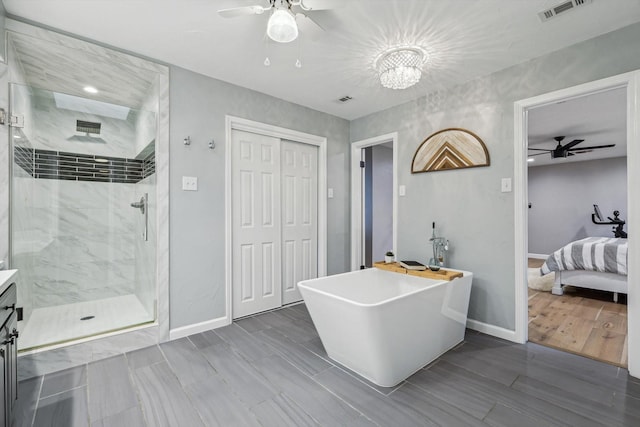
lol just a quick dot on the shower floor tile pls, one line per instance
(51, 325)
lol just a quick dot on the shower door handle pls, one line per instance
(145, 233)
(143, 205)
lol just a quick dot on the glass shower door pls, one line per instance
(85, 266)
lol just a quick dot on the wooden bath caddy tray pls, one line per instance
(441, 274)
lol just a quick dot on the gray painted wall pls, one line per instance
(562, 198)
(467, 204)
(197, 228)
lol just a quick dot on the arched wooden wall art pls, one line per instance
(450, 149)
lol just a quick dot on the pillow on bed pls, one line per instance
(538, 282)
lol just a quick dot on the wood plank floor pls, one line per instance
(271, 370)
(581, 321)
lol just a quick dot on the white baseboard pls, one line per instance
(495, 331)
(538, 256)
(184, 331)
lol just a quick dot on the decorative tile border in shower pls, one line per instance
(47, 164)
(149, 165)
(23, 157)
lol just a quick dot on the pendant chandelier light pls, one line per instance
(400, 67)
(282, 26)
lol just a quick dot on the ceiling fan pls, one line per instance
(284, 21)
(567, 149)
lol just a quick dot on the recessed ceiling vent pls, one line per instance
(345, 98)
(87, 127)
(563, 7)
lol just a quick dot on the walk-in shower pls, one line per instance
(82, 194)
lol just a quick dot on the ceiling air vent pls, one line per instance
(87, 127)
(563, 7)
(345, 98)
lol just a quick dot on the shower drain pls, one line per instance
(87, 317)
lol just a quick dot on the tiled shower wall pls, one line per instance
(55, 128)
(83, 246)
(76, 237)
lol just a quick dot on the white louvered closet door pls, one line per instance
(299, 180)
(256, 223)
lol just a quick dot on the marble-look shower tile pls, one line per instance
(117, 134)
(162, 203)
(56, 283)
(93, 50)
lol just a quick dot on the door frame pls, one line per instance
(356, 194)
(237, 123)
(630, 81)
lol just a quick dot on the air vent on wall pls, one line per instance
(345, 98)
(561, 8)
(88, 127)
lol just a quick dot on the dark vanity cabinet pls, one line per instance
(8, 353)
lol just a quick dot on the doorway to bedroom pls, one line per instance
(374, 199)
(576, 209)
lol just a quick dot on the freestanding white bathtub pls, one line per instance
(384, 325)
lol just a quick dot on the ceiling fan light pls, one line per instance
(282, 26)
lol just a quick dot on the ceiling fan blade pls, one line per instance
(571, 144)
(593, 147)
(318, 4)
(242, 11)
(308, 26)
(537, 154)
(540, 149)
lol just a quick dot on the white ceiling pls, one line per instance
(599, 119)
(465, 39)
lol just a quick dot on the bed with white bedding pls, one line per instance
(594, 262)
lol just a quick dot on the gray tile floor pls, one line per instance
(271, 370)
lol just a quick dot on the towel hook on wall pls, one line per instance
(187, 140)
(212, 144)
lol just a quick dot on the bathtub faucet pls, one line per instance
(440, 247)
